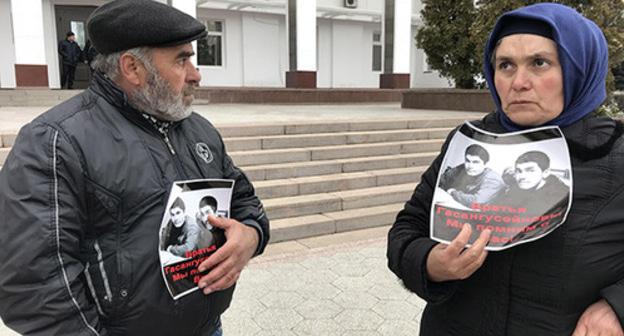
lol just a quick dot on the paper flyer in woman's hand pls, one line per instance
(186, 236)
(518, 185)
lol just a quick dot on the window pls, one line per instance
(77, 27)
(210, 48)
(426, 66)
(377, 51)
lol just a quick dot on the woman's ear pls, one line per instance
(131, 69)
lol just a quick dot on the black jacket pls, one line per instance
(82, 195)
(538, 288)
(70, 52)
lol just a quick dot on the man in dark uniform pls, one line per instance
(84, 189)
(70, 55)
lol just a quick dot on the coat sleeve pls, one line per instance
(62, 51)
(246, 206)
(192, 233)
(611, 218)
(409, 243)
(42, 287)
(489, 188)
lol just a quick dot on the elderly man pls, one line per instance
(84, 189)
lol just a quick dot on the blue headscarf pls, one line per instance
(583, 55)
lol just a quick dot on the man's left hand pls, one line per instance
(598, 319)
(227, 263)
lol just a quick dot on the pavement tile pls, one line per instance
(358, 319)
(319, 276)
(345, 268)
(416, 301)
(318, 327)
(352, 283)
(361, 333)
(245, 306)
(278, 318)
(278, 332)
(318, 291)
(396, 310)
(318, 309)
(239, 326)
(382, 277)
(282, 299)
(356, 299)
(399, 328)
(384, 292)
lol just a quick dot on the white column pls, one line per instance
(402, 35)
(7, 52)
(51, 45)
(301, 23)
(28, 32)
(189, 7)
(306, 35)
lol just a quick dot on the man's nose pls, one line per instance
(192, 73)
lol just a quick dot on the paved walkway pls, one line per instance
(331, 285)
(12, 118)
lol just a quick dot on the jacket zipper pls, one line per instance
(168, 142)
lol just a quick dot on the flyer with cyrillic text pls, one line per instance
(518, 185)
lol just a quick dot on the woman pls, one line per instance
(545, 65)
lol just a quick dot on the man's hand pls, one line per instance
(227, 262)
(598, 319)
(453, 262)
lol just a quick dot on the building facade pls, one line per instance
(250, 43)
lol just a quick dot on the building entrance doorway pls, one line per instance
(74, 18)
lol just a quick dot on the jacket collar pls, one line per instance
(114, 95)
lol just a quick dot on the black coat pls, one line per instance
(537, 288)
(70, 52)
(82, 195)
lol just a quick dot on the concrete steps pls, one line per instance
(328, 177)
(322, 167)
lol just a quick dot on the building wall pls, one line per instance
(421, 77)
(255, 47)
(265, 60)
(7, 52)
(231, 72)
(351, 54)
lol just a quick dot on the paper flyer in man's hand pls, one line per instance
(186, 236)
(518, 185)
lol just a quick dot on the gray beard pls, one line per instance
(156, 98)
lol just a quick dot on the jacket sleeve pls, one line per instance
(246, 206)
(612, 218)
(42, 291)
(409, 243)
(192, 233)
(61, 50)
(489, 188)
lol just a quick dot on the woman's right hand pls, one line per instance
(452, 261)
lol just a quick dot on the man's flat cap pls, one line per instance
(125, 24)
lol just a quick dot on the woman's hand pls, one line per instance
(453, 262)
(599, 319)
